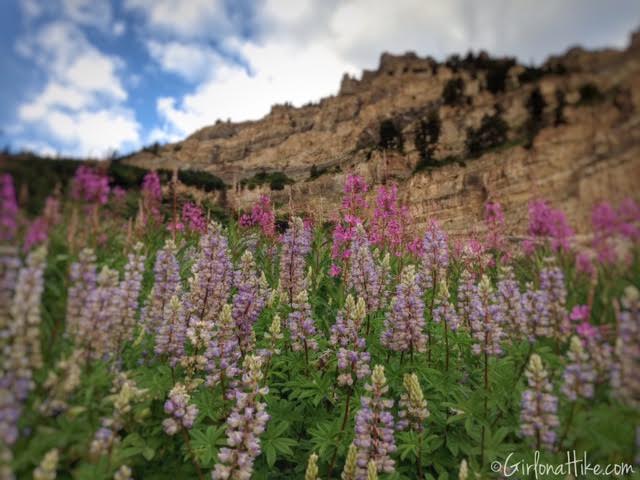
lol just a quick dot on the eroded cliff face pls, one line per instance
(451, 135)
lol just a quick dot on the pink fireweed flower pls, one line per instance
(182, 413)
(354, 199)
(152, 195)
(538, 417)
(486, 318)
(625, 372)
(262, 215)
(353, 359)
(579, 375)
(296, 244)
(615, 231)
(435, 256)
(193, 218)
(494, 220)
(391, 221)
(404, 324)
(579, 313)
(8, 209)
(246, 422)
(584, 263)
(547, 224)
(374, 427)
(90, 186)
(166, 272)
(368, 279)
(37, 234)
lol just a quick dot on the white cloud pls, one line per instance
(93, 13)
(80, 107)
(193, 61)
(185, 19)
(119, 28)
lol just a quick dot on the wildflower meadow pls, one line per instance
(160, 342)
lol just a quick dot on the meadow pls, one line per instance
(143, 339)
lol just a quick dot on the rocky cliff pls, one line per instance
(451, 134)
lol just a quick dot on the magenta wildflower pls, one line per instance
(296, 244)
(374, 427)
(90, 186)
(538, 416)
(494, 221)
(404, 324)
(246, 422)
(193, 218)
(547, 224)
(37, 234)
(152, 195)
(262, 215)
(391, 222)
(8, 209)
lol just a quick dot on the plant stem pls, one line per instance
(187, 442)
(486, 395)
(342, 427)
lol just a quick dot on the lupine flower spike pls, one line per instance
(539, 406)
(312, 468)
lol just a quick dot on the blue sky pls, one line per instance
(89, 77)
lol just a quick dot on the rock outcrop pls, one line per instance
(452, 135)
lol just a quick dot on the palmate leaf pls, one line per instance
(325, 436)
(206, 442)
(274, 442)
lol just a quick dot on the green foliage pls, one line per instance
(491, 133)
(453, 92)
(590, 94)
(275, 180)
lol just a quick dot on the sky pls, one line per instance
(93, 77)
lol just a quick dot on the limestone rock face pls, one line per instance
(452, 135)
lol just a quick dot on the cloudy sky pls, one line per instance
(86, 77)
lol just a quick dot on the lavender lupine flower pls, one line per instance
(552, 282)
(182, 414)
(301, 326)
(366, 278)
(9, 268)
(247, 421)
(172, 333)
(510, 302)
(467, 290)
(625, 373)
(404, 324)
(61, 382)
(435, 256)
(579, 374)
(413, 407)
(47, 468)
(374, 427)
(223, 353)
(537, 310)
(539, 406)
(212, 276)
(486, 319)
(296, 244)
(83, 280)
(129, 294)
(8, 209)
(249, 300)
(353, 359)
(166, 284)
(443, 310)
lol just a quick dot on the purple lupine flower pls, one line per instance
(374, 427)
(302, 328)
(537, 310)
(486, 320)
(8, 209)
(83, 280)
(404, 324)
(212, 276)
(9, 268)
(625, 372)
(510, 301)
(435, 256)
(166, 284)
(353, 359)
(467, 290)
(21, 345)
(552, 283)
(579, 374)
(246, 422)
(172, 332)
(249, 300)
(182, 413)
(365, 277)
(296, 244)
(538, 417)
(600, 351)
(413, 407)
(129, 294)
(443, 310)
(223, 351)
